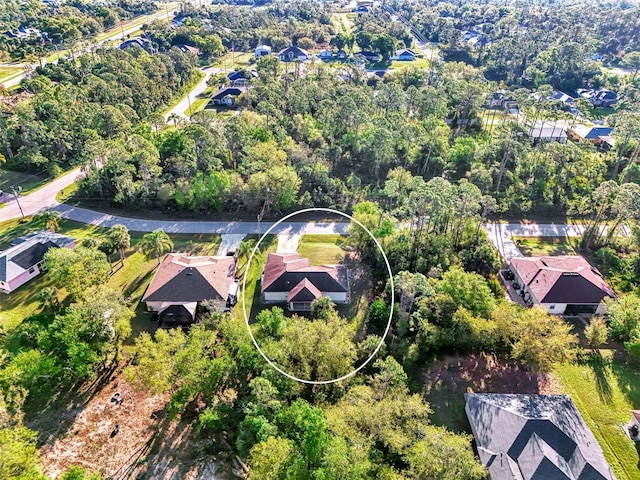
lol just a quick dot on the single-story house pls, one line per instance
(598, 135)
(292, 53)
(368, 56)
(139, 42)
(242, 75)
(227, 96)
(501, 100)
(604, 98)
(534, 437)
(548, 131)
(262, 50)
(326, 53)
(188, 49)
(405, 55)
(25, 32)
(290, 278)
(182, 282)
(470, 35)
(24, 259)
(563, 284)
(561, 97)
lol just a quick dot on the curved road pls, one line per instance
(184, 104)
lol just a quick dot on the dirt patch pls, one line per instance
(133, 439)
(445, 381)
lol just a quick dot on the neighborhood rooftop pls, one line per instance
(183, 279)
(28, 251)
(527, 437)
(562, 279)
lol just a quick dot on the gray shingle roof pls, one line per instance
(531, 437)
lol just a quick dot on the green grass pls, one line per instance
(533, 246)
(6, 73)
(26, 181)
(200, 102)
(604, 395)
(67, 193)
(422, 63)
(322, 249)
(251, 292)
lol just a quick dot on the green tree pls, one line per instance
(49, 219)
(155, 244)
(596, 332)
(541, 339)
(468, 290)
(623, 316)
(19, 455)
(77, 270)
(49, 300)
(270, 459)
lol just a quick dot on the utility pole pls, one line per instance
(15, 195)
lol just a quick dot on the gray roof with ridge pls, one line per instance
(534, 437)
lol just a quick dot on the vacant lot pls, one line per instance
(322, 249)
(446, 379)
(80, 429)
(532, 246)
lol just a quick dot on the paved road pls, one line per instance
(117, 35)
(44, 198)
(140, 225)
(184, 104)
(40, 200)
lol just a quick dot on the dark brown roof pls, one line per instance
(562, 279)
(284, 271)
(181, 278)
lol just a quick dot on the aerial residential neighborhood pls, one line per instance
(319, 240)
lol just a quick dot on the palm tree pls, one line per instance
(175, 118)
(119, 236)
(156, 244)
(50, 219)
(245, 248)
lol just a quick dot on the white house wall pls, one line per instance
(281, 297)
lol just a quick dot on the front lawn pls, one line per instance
(534, 246)
(322, 249)
(26, 181)
(604, 394)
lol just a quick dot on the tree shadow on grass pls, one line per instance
(600, 370)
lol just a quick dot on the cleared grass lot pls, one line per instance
(604, 392)
(533, 246)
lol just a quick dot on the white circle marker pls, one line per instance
(246, 317)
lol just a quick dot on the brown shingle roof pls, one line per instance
(181, 278)
(562, 279)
